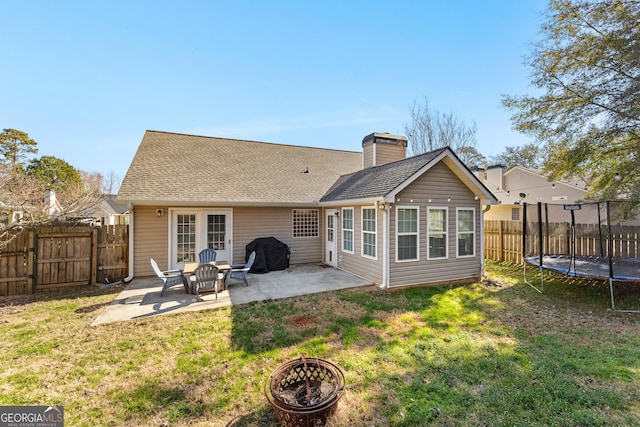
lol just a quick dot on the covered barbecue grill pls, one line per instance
(271, 255)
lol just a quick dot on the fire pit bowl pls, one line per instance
(305, 391)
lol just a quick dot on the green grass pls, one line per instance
(449, 355)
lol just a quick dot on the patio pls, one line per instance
(141, 298)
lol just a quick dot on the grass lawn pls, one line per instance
(473, 355)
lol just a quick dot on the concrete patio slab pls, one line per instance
(141, 298)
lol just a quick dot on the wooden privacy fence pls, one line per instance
(58, 256)
(503, 240)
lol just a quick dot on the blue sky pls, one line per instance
(85, 79)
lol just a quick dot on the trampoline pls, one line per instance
(598, 241)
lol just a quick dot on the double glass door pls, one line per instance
(193, 231)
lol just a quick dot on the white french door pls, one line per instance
(191, 231)
(217, 234)
(330, 244)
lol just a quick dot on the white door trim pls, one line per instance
(200, 231)
(331, 238)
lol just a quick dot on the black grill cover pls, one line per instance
(271, 255)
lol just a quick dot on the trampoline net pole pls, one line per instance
(572, 247)
(575, 240)
(610, 257)
(540, 247)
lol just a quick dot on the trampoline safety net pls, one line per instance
(598, 240)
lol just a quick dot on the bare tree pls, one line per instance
(431, 129)
(111, 182)
(26, 202)
(528, 155)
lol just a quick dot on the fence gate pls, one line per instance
(65, 257)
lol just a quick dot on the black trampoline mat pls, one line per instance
(624, 269)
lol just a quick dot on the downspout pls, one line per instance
(131, 222)
(385, 246)
(482, 212)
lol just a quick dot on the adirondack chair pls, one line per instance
(169, 278)
(239, 271)
(207, 255)
(207, 276)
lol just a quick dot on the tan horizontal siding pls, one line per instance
(439, 187)
(355, 263)
(252, 223)
(368, 155)
(387, 153)
(150, 239)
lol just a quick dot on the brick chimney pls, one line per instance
(380, 148)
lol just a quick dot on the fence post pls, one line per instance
(94, 256)
(501, 241)
(31, 264)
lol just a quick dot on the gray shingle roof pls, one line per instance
(188, 169)
(378, 181)
(112, 206)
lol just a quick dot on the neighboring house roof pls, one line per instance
(575, 183)
(536, 187)
(197, 170)
(111, 207)
(387, 180)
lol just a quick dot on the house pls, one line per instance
(393, 220)
(525, 185)
(49, 209)
(109, 212)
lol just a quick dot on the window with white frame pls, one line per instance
(186, 238)
(216, 232)
(437, 233)
(407, 233)
(347, 230)
(305, 222)
(466, 231)
(369, 232)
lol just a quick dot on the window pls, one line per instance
(466, 232)
(186, 238)
(437, 232)
(347, 230)
(407, 234)
(330, 228)
(216, 236)
(305, 222)
(515, 214)
(369, 232)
